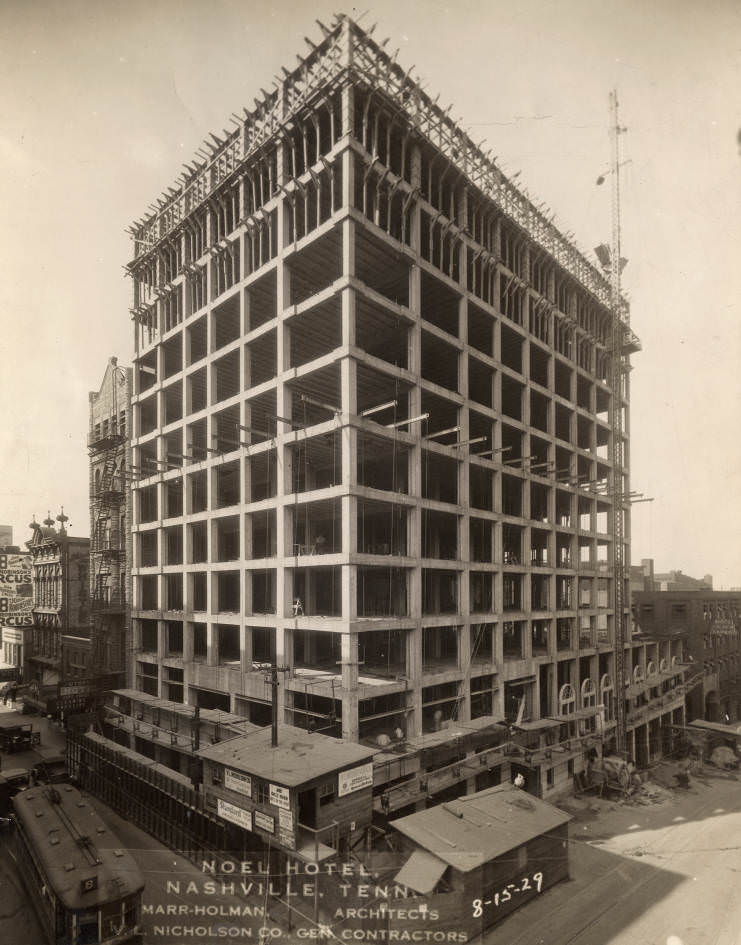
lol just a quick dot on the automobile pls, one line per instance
(12, 782)
(51, 768)
(16, 735)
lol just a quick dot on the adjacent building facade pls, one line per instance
(110, 519)
(16, 603)
(371, 432)
(61, 602)
(705, 626)
(643, 577)
(677, 581)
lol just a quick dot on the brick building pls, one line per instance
(61, 600)
(705, 626)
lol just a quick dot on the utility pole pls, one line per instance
(195, 744)
(271, 674)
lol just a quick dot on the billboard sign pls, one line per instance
(264, 822)
(236, 781)
(16, 591)
(237, 815)
(279, 796)
(355, 779)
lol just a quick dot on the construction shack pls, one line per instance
(490, 852)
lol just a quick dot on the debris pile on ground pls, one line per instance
(658, 785)
(665, 774)
(653, 792)
(724, 758)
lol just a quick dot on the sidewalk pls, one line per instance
(18, 922)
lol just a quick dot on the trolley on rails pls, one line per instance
(85, 888)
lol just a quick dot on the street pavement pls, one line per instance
(18, 922)
(52, 736)
(661, 872)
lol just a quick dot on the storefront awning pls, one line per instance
(421, 872)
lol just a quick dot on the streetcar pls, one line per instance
(85, 888)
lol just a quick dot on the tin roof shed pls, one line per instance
(473, 830)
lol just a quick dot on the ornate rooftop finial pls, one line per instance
(62, 518)
(49, 521)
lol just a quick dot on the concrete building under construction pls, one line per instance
(372, 431)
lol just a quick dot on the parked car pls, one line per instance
(12, 781)
(50, 769)
(16, 735)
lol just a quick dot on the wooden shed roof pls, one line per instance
(470, 831)
(299, 757)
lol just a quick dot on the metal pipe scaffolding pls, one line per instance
(379, 408)
(404, 423)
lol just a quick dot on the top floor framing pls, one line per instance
(285, 151)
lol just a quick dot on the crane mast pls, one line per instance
(617, 373)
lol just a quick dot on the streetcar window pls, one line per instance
(87, 926)
(112, 919)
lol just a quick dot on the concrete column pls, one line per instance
(349, 653)
(187, 643)
(243, 260)
(161, 651)
(245, 648)
(349, 526)
(464, 555)
(414, 589)
(284, 575)
(464, 649)
(349, 435)
(348, 92)
(245, 523)
(212, 645)
(414, 672)
(349, 402)
(210, 240)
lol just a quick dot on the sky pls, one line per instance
(104, 100)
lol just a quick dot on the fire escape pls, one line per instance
(108, 554)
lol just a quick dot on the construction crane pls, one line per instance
(618, 369)
(623, 343)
